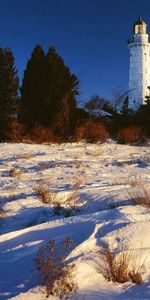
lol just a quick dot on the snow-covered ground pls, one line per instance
(108, 174)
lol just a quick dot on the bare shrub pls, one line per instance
(140, 195)
(92, 132)
(56, 273)
(116, 267)
(131, 135)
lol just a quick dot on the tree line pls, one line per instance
(44, 108)
(47, 96)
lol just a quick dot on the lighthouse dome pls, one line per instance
(139, 26)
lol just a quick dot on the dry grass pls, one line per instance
(15, 172)
(48, 196)
(25, 156)
(135, 276)
(72, 201)
(147, 159)
(57, 275)
(2, 213)
(140, 195)
(117, 268)
(97, 153)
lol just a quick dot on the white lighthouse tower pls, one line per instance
(139, 79)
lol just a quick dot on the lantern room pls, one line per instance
(139, 27)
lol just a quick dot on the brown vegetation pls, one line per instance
(140, 195)
(15, 172)
(92, 132)
(40, 134)
(2, 213)
(16, 132)
(131, 135)
(116, 267)
(57, 275)
(49, 196)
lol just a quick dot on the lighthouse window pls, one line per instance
(145, 53)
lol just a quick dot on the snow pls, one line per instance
(106, 214)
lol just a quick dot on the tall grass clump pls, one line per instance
(65, 206)
(117, 267)
(46, 194)
(73, 201)
(2, 213)
(140, 195)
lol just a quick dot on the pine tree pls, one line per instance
(9, 85)
(48, 92)
(142, 117)
(32, 90)
(61, 93)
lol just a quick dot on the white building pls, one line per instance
(139, 79)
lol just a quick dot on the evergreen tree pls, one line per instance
(32, 90)
(9, 85)
(48, 92)
(62, 87)
(142, 116)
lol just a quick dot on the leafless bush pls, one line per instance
(57, 275)
(116, 267)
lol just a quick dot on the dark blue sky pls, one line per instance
(90, 35)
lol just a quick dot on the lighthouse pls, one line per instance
(139, 77)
